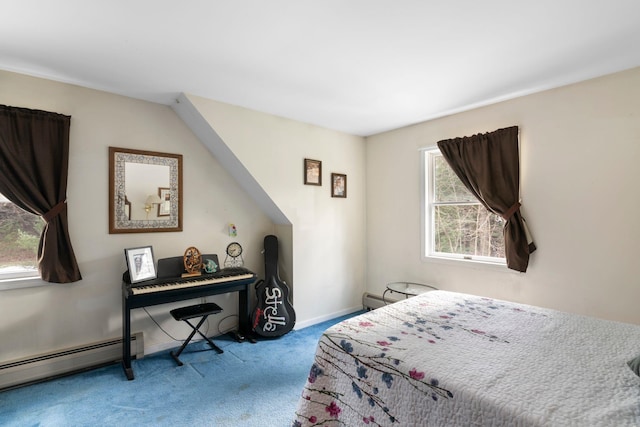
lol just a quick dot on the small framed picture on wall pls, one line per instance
(312, 172)
(338, 185)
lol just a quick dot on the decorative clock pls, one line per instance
(234, 255)
(192, 262)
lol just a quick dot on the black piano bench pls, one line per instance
(186, 313)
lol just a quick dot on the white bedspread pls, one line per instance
(449, 359)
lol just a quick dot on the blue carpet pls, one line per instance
(248, 385)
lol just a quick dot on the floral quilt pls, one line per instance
(450, 359)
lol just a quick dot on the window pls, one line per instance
(456, 224)
(19, 238)
(34, 151)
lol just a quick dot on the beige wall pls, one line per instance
(580, 146)
(580, 149)
(327, 234)
(56, 316)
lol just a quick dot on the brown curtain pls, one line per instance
(489, 166)
(34, 159)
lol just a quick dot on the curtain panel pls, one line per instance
(34, 160)
(489, 166)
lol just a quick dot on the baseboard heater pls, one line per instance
(372, 301)
(29, 370)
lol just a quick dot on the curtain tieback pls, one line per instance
(513, 209)
(54, 211)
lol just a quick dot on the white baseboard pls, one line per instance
(53, 364)
(320, 319)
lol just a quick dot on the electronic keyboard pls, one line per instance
(170, 286)
(222, 276)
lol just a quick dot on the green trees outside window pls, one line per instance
(19, 237)
(459, 224)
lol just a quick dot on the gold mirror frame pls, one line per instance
(120, 221)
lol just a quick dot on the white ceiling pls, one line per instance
(358, 66)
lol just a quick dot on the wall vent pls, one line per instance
(54, 364)
(371, 301)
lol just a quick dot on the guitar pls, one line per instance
(273, 315)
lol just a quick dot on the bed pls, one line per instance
(451, 359)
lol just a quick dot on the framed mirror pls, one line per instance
(145, 191)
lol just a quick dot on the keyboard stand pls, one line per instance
(190, 312)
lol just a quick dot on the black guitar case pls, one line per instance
(273, 315)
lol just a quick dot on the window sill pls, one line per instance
(21, 283)
(468, 263)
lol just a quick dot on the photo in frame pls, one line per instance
(312, 172)
(140, 263)
(338, 185)
(164, 208)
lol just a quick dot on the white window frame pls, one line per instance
(19, 275)
(427, 217)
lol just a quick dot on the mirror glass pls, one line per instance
(145, 191)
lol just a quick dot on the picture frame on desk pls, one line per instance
(141, 264)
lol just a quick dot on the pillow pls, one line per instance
(634, 364)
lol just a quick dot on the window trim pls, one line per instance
(20, 275)
(21, 283)
(427, 235)
(19, 280)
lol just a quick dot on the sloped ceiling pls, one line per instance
(358, 66)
